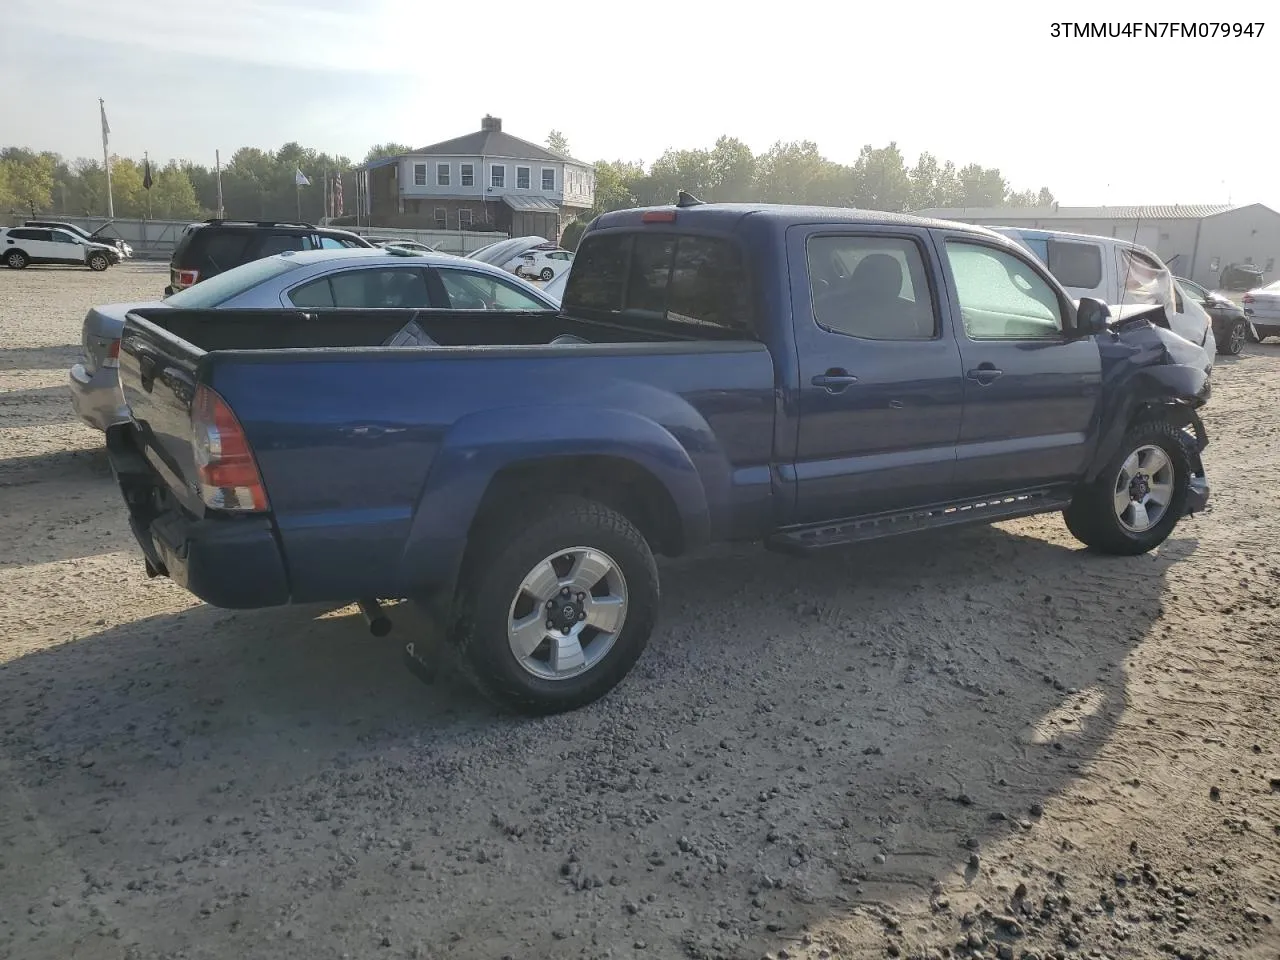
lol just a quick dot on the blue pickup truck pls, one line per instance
(804, 377)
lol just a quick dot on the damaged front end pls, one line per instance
(1150, 371)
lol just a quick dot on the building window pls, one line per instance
(498, 175)
(464, 219)
(548, 178)
(1271, 265)
(442, 218)
(442, 174)
(522, 178)
(419, 174)
(468, 175)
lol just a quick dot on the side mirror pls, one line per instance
(1091, 317)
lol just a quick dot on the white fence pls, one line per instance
(156, 239)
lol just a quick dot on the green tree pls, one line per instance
(29, 178)
(798, 173)
(558, 142)
(172, 195)
(881, 179)
(615, 184)
(389, 149)
(981, 186)
(733, 171)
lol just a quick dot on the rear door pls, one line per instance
(881, 389)
(1031, 388)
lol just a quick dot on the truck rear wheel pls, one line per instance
(1138, 497)
(555, 610)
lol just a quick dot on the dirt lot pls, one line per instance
(980, 744)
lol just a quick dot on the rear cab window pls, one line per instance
(690, 284)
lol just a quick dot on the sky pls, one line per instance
(1098, 121)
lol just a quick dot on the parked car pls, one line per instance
(24, 246)
(507, 253)
(543, 264)
(1231, 327)
(1262, 306)
(805, 377)
(311, 280)
(207, 249)
(1241, 276)
(1118, 273)
(554, 289)
(96, 236)
(415, 245)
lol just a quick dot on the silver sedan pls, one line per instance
(311, 280)
(1262, 306)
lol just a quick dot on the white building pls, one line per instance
(486, 177)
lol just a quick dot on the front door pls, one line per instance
(1031, 388)
(65, 248)
(881, 386)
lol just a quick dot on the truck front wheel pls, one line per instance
(555, 610)
(1138, 497)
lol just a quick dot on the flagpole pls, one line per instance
(146, 159)
(217, 164)
(106, 158)
(297, 189)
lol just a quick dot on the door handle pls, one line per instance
(985, 373)
(834, 381)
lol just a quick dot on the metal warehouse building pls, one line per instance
(1195, 240)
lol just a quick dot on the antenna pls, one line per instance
(684, 199)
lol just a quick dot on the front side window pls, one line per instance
(467, 174)
(870, 287)
(498, 175)
(548, 178)
(477, 291)
(680, 279)
(442, 174)
(419, 174)
(1001, 297)
(1075, 264)
(522, 178)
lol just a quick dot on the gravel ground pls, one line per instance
(978, 744)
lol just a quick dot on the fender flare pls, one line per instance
(479, 446)
(1177, 387)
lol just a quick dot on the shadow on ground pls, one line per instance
(808, 735)
(59, 357)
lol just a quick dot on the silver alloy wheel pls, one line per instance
(1144, 488)
(568, 613)
(1237, 337)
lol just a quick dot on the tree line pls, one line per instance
(259, 184)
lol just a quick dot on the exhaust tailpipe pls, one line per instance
(375, 616)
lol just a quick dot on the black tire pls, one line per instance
(505, 552)
(99, 262)
(547, 273)
(1233, 343)
(1092, 517)
(16, 260)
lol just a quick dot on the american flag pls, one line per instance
(337, 195)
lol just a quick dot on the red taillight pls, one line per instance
(112, 358)
(658, 216)
(188, 278)
(229, 478)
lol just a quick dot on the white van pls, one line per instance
(1116, 272)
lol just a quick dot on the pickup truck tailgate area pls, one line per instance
(232, 562)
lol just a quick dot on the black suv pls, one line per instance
(207, 249)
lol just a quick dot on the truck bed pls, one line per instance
(352, 438)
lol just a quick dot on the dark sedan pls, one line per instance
(1231, 327)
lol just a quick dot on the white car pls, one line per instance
(543, 264)
(1262, 306)
(414, 245)
(23, 246)
(1118, 273)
